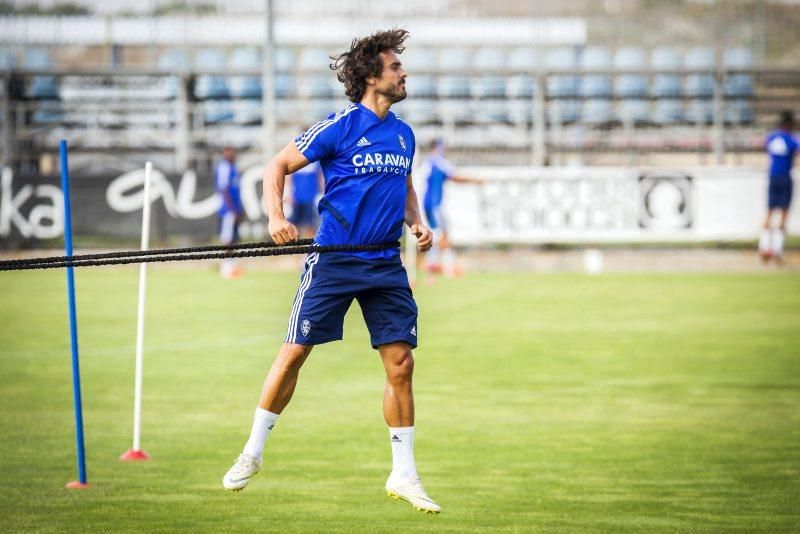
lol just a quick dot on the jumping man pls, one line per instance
(366, 154)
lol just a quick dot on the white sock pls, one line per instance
(432, 256)
(403, 465)
(777, 242)
(763, 241)
(449, 262)
(263, 421)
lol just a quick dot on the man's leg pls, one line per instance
(282, 377)
(275, 395)
(398, 395)
(398, 411)
(778, 234)
(764, 240)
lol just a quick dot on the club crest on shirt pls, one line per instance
(305, 327)
(402, 142)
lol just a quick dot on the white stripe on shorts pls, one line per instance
(291, 333)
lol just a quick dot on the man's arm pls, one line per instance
(287, 161)
(414, 218)
(466, 179)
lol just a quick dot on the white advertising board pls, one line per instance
(607, 204)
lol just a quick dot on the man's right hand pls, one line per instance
(282, 231)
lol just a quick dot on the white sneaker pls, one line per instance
(244, 468)
(411, 490)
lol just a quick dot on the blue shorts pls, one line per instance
(435, 216)
(303, 214)
(780, 192)
(328, 286)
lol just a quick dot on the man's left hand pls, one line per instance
(424, 236)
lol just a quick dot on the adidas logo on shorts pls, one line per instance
(363, 142)
(414, 331)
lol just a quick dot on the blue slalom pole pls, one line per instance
(73, 323)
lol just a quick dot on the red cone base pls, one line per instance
(134, 456)
(76, 484)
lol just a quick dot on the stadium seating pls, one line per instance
(522, 62)
(595, 85)
(40, 87)
(630, 85)
(285, 59)
(6, 59)
(314, 59)
(491, 85)
(210, 86)
(666, 85)
(700, 85)
(562, 85)
(284, 85)
(248, 59)
(739, 112)
(173, 60)
(217, 111)
(246, 112)
(455, 63)
(419, 111)
(597, 111)
(700, 111)
(564, 111)
(633, 111)
(738, 85)
(667, 111)
(419, 60)
(315, 86)
(420, 63)
(421, 85)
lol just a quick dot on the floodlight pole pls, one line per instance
(268, 82)
(538, 122)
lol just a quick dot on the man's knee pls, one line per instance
(292, 356)
(399, 363)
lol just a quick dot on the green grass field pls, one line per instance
(544, 403)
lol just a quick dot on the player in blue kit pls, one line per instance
(437, 170)
(305, 186)
(231, 211)
(781, 146)
(366, 154)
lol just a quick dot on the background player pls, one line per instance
(366, 155)
(231, 211)
(437, 170)
(305, 186)
(781, 146)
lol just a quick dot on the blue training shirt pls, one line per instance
(781, 147)
(305, 184)
(226, 179)
(365, 162)
(438, 170)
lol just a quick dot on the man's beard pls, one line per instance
(394, 94)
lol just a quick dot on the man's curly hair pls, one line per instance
(363, 61)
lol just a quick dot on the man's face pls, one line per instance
(229, 154)
(392, 82)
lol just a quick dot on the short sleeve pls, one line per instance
(446, 167)
(413, 148)
(320, 141)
